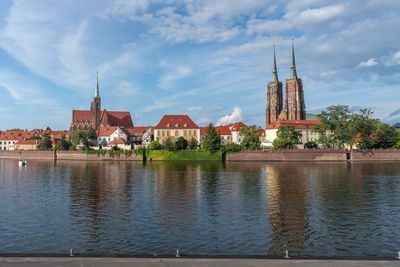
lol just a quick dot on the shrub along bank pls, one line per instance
(183, 155)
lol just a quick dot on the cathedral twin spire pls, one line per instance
(293, 73)
(96, 90)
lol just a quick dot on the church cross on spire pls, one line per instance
(96, 90)
(274, 72)
(293, 71)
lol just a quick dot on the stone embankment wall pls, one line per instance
(290, 155)
(27, 154)
(375, 154)
(69, 155)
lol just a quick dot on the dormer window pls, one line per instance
(176, 125)
(185, 125)
(168, 125)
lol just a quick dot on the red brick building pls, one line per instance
(95, 117)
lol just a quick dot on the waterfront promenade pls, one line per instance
(144, 262)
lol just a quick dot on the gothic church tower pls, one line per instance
(295, 108)
(96, 106)
(274, 97)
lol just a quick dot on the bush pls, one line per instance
(181, 143)
(193, 144)
(169, 144)
(232, 147)
(311, 145)
(155, 145)
(282, 144)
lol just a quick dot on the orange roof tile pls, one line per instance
(116, 118)
(221, 130)
(118, 141)
(83, 115)
(106, 130)
(28, 142)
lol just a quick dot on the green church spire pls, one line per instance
(293, 71)
(96, 92)
(274, 72)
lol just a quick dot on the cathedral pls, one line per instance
(95, 117)
(294, 108)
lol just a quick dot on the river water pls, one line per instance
(208, 208)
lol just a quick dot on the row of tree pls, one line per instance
(340, 127)
(212, 141)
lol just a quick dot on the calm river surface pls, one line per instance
(315, 209)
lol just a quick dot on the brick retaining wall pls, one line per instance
(69, 155)
(289, 155)
(375, 154)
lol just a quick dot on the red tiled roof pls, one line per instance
(176, 122)
(116, 118)
(221, 130)
(15, 135)
(137, 130)
(235, 126)
(297, 124)
(82, 115)
(106, 130)
(28, 142)
(118, 141)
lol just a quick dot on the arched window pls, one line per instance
(176, 133)
(190, 132)
(185, 133)
(167, 132)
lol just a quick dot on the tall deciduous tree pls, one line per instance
(333, 130)
(287, 137)
(212, 140)
(46, 143)
(251, 137)
(181, 143)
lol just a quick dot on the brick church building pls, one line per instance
(95, 117)
(290, 111)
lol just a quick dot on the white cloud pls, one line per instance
(394, 59)
(237, 115)
(320, 14)
(369, 63)
(195, 108)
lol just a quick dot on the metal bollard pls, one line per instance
(178, 253)
(71, 252)
(398, 255)
(287, 254)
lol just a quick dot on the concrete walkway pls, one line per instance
(144, 262)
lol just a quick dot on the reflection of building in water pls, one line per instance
(95, 189)
(287, 197)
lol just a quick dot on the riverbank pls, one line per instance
(198, 155)
(143, 262)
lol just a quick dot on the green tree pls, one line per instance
(76, 137)
(155, 145)
(386, 136)
(333, 130)
(310, 145)
(193, 144)
(46, 143)
(286, 138)
(103, 142)
(169, 144)
(362, 129)
(35, 137)
(232, 147)
(181, 143)
(251, 137)
(212, 140)
(63, 144)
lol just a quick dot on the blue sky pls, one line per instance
(209, 59)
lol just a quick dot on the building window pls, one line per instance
(185, 133)
(176, 125)
(194, 132)
(167, 132)
(190, 132)
(158, 132)
(176, 133)
(0, 143)
(163, 133)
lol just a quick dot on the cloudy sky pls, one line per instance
(210, 59)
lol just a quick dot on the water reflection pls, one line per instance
(314, 209)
